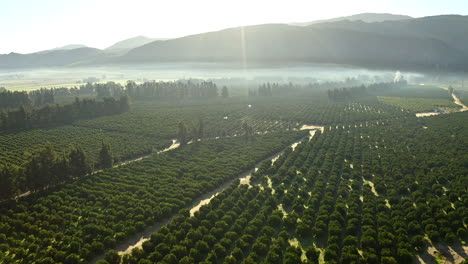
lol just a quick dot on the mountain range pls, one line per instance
(365, 17)
(368, 40)
(131, 43)
(70, 47)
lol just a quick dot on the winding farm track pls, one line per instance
(458, 102)
(442, 253)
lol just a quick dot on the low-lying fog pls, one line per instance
(24, 79)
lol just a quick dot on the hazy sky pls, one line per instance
(33, 25)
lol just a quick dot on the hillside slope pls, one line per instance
(46, 59)
(416, 43)
(129, 44)
(365, 17)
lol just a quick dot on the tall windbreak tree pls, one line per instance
(105, 156)
(43, 168)
(78, 162)
(225, 92)
(200, 129)
(40, 167)
(182, 133)
(7, 184)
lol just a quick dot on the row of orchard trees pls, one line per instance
(352, 195)
(197, 131)
(44, 167)
(240, 225)
(59, 114)
(77, 221)
(319, 111)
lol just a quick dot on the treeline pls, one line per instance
(150, 90)
(99, 90)
(147, 90)
(174, 90)
(345, 94)
(44, 168)
(105, 89)
(262, 90)
(281, 89)
(58, 114)
(13, 100)
(37, 98)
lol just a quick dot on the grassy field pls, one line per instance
(419, 104)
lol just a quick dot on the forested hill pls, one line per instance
(430, 42)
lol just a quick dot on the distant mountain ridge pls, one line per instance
(365, 17)
(70, 47)
(69, 55)
(427, 43)
(419, 43)
(131, 43)
(49, 58)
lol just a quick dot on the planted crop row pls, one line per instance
(138, 132)
(151, 125)
(13, 146)
(373, 194)
(419, 104)
(76, 222)
(156, 119)
(228, 116)
(329, 113)
(416, 91)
